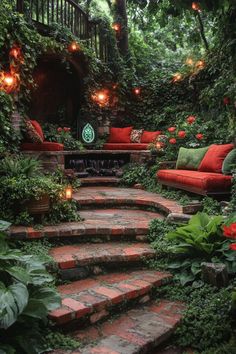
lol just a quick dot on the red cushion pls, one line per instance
(202, 181)
(214, 158)
(38, 128)
(149, 137)
(45, 146)
(130, 146)
(120, 135)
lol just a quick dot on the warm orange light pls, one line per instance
(159, 145)
(137, 90)
(189, 61)
(8, 81)
(200, 64)
(196, 6)
(68, 192)
(101, 97)
(73, 47)
(116, 27)
(177, 77)
(15, 52)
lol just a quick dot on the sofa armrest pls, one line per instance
(167, 165)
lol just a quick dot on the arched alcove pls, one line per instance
(59, 90)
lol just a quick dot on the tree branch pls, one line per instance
(202, 32)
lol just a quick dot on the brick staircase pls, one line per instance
(103, 258)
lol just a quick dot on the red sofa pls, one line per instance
(207, 180)
(129, 139)
(45, 145)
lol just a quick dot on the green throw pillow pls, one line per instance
(190, 159)
(229, 163)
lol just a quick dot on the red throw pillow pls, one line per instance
(214, 158)
(149, 137)
(38, 128)
(30, 133)
(120, 135)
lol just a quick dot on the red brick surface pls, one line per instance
(70, 256)
(86, 296)
(137, 331)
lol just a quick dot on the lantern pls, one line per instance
(68, 192)
(159, 145)
(8, 81)
(196, 6)
(137, 91)
(177, 77)
(116, 27)
(73, 47)
(101, 97)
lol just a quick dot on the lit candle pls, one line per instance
(69, 191)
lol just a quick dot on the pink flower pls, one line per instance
(199, 136)
(171, 129)
(59, 129)
(66, 129)
(172, 141)
(191, 119)
(182, 134)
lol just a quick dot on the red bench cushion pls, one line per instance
(214, 158)
(38, 128)
(45, 146)
(130, 146)
(120, 135)
(203, 181)
(149, 137)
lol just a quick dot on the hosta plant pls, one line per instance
(26, 297)
(199, 241)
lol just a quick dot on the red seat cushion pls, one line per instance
(214, 158)
(120, 135)
(38, 128)
(45, 146)
(130, 146)
(202, 181)
(149, 137)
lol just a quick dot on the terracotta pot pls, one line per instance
(38, 206)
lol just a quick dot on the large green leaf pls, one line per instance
(13, 300)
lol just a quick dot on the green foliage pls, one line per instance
(61, 135)
(58, 340)
(16, 166)
(63, 211)
(26, 298)
(207, 321)
(211, 206)
(134, 173)
(201, 237)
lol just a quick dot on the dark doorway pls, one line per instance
(58, 94)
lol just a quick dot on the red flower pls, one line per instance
(233, 246)
(191, 119)
(171, 129)
(226, 101)
(230, 231)
(172, 141)
(66, 129)
(59, 130)
(182, 134)
(199, 136)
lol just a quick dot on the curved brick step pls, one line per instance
(77, 261)
(93, 298)
(99, 181)
(104, 196)
(103, 223)
(138, 331)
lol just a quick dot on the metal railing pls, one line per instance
(67, 13)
